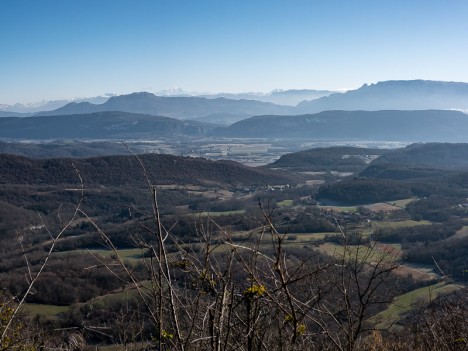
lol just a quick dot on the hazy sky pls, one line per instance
(52, 49)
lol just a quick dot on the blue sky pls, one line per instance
(53, 49)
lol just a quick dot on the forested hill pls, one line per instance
(420, 161)
(434, 155)
(340, 158)
(119, 170)
(99, 125)
(424, 125)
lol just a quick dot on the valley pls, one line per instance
(327, 204)
(137, 223)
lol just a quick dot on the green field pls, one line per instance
(401, 203)
(352, 209)
(50, 311)
(398, 224)
(403, 304)
(307, 237)
(126, 254)
(361, 252)
(285, 203)
(217, 214)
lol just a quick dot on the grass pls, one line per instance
(352, 209)
(50, 311)
(217, 214)
(401, 203)
(126, 254)
(361, 252)
(399, 224)
(308, 237)
(461, 233)
(285, 203)
(405, 303)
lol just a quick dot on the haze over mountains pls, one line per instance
(176, 107)
(410, 111)
(425, 125)
(394, 95)
(99, 125)
(280, 97)
(47, 105)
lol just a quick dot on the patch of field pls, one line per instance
(217, 214)
(285, 203)
(363, 253)
(307, 237)
(352, 209)
(402, 203)
(341, 174)
(312, 173)
(382, 207)
(314, 182)
(391, 249)
(49, 311)
(403, 304)
(126, 254)
(462, 233)
(417, 272)
(398, 224)
(331, 249)
(128, 291)
(206, 191)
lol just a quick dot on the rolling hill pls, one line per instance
(340, 158)
(420, 161)
(121, 170)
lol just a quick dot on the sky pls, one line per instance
(63, 49)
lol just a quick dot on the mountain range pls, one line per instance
(425, 125)
(280, 97)
(176, 107)
(227, 108)
(404, 126)
(99, 125)
(394, 95)
(45, 105)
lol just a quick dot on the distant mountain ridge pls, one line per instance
(48, 105)
(176, 107)
(289, 97)
(408, 126)
(394, 95)
(279, 97)
(99, 125)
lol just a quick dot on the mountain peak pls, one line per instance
(415, 94)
